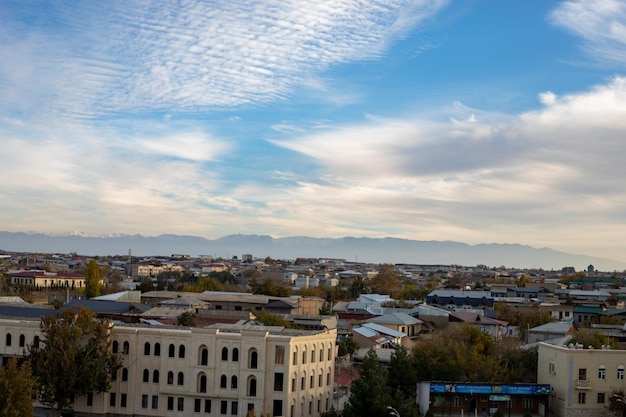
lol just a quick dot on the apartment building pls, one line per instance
(582, 380)
(220, 370)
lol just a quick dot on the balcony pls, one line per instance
(583, 384)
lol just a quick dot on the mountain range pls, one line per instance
(374, 250)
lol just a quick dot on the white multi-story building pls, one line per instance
(220, 370)
(582, 380)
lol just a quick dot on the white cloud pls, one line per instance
(601, 24)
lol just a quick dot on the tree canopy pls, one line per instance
(92, 279)
(369, 394)
(73, 358)
(17, 389)
(387, 281)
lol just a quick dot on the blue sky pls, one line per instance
(474, 121)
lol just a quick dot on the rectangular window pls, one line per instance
(582, 374)
(278, 381)
(197, 405)
(277, 408)
(312, 380)
(620, 374)
(295, 358)
(123, 401)
(170, 403)
(303, 357)
(293, 384)
(144, 401)
(155, 402)
(319, 380)
(302, 383)
(582, 398)
(321, 355)
(234, 405)
(329, 354)
(600, 398)
(89, 399)
(601, 373)
(112, 399)
(223, 407)
(312, 356)
(279, 357)
(207, 406)
(181, 404)
(456, 401)
(527, 402)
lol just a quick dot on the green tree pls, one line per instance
(73, 358)
(369, 394)
(386, 281)
(92, 279)
(269, 287)
(267, 318)
(187, 318)
(593, 338)
(347, 346)
(402, 375)
(17, 389)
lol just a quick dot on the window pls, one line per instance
(197, 405)
(304, 357)
(126, 348)
(620, 372)
(22, 340)
(181, 351)
(202, 384)
(252, 387)
(582, 374)
(123, 401)
(144, 401)
(207, 406)
(157, 349)
(233, 408)
(233, 382)
(223, 407)
(328, 378)
(279, 356)
(319, 380)
(295, 358)
(313, 355)
(170, 378)
(114, 375)
(601, 398)
(124, 374)
(155, 402)
(321, 355)
(181, 404)
(312, 380)
(224, 353)
(8, 339)
(235, 355)
(146, 349)
(293, 384)
(456, 401)
(582, 398)
(171, 351)
(89, 399)
(146, 375)
(329, 354)
(223, 381)
(181, 378)
(170, 403)
(302, 383)
(115, 346)
(204, 357)
(277, 408)
(602, 372)
(278, 381)
(254, 359)
(155, 376)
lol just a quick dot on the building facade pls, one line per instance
(582, 380)
(220, 370)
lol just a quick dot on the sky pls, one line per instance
(478, 121)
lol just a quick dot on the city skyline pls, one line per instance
(478, 122)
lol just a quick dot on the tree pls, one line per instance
(187, 319)
(387, 281)
(17, 388)
(369, 394)
(73, 359)
(347, 346)
(401, 373)
(267, 318)
(92, 279)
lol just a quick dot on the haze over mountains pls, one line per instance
(376, 250)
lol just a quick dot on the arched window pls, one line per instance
(124, 374)
(181, 378)
(146, 375)
(146, 348)
(233, 382)
(253, 359)
(126, 347)
(235, 355)
(8, 339)
(202, 383)
(155, 376)
(224, 354)
(170, 378)
(602, 372)
(223, 381)
(204, 356)
(22, 340)
(252, 387)
(172, 351)
(157, 349)
(115, 346)
(181, 351)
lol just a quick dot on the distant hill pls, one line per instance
(376, 250)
